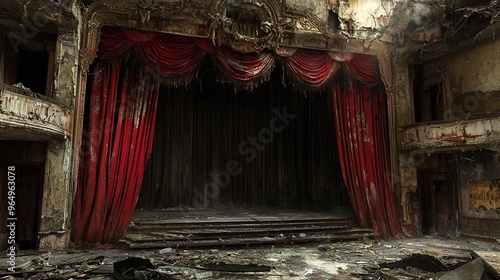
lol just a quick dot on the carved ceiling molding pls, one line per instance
(254, 25)
(244, 25)
(382, 51)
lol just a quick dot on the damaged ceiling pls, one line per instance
(421, 30)
(417, 30)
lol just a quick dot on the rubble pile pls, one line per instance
(415, 258)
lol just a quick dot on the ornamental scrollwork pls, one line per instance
(249, 26)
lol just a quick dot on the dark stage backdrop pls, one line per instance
(276, 159)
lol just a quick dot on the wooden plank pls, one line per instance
(164, 237)
(492, 260)
(245, 241)
(167, 227)
(268, 230)
(223, 220)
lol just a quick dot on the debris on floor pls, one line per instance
(410, 258)
(421, 266)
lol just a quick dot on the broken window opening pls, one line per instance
(429, 103)
(28, 63)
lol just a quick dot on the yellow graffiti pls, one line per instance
(485, 194)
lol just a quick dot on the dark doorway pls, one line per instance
(438, 195)
(27, 162)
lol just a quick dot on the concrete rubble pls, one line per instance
(409, 258)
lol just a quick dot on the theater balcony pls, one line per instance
(452, 135)
(30, 116)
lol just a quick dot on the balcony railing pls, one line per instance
(29, 115)
(452, 134)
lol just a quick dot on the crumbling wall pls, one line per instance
(474, 80)
(468, 92)
(462, 85)
(58, 190)
(363, 18)
(28, 116)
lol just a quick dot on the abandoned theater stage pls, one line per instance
(199, 126)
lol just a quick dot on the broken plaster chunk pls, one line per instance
(324, 247)
(471, 270)
(204, 275)
(167, 250)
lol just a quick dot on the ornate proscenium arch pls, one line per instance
(233, 23)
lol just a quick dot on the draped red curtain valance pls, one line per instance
(174, 56)
(105, 200)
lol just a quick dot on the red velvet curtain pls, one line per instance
(117, 144)
(177, 56)
(361, 119)
(244, 67)
(311, 67)
(121, 133)
(364, 68)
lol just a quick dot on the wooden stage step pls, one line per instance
(218, 229)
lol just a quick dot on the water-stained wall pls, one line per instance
(456, 101)
(461, 85)
(48, 119)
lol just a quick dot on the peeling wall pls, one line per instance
(468, 81)
(407, 176)
(50, 118)
(66, 69)
(469, 95)
(366, 14)
(477, 69)
(318, 8)
(474, 80)
(58, 191)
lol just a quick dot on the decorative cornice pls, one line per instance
(280, 24)
(270, 33)
(383, 52)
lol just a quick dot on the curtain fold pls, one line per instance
(120, 127)
(361, 119)
(364, 68)
(245, 67)
(311, 67)
(113, 43)
(170, 55)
